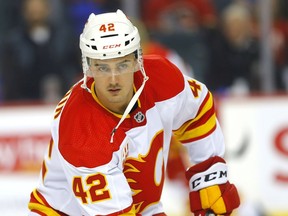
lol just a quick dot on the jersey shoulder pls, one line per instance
(165, 79)
(83, 131)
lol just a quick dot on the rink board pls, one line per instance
(256, 133)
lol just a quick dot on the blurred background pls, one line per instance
(238, 48)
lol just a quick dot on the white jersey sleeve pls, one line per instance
(196, 124)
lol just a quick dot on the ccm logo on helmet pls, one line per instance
(111, 46)
(209, 177)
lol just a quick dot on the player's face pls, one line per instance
(114, 81)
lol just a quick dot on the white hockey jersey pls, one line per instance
(84, 174)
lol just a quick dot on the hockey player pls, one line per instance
(111, 133)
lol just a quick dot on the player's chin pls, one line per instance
(116, 99)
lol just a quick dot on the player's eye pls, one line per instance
(122, 67)
(103, 69)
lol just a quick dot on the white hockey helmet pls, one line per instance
(106, 36)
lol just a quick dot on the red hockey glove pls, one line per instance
(209, 188)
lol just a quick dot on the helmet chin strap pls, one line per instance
(135, 96)
(129, 107)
